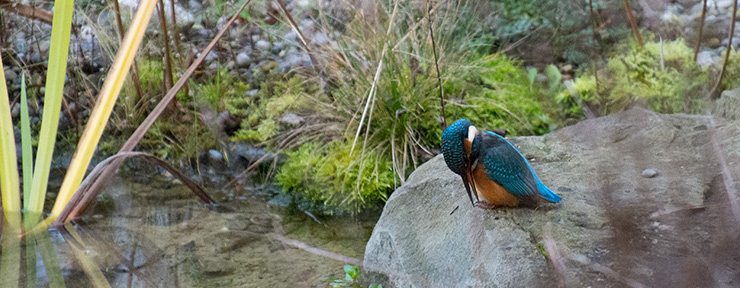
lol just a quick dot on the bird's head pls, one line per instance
(454, 152)
(453, 145)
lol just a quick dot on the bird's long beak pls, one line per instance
(472, 133)
(467, 187)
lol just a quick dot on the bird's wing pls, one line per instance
(508, 168)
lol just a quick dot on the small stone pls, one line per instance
(211, 56)
(214, 155)
(319, 38)
(10, 75)
(290, 36)
(243, 60)
(251, 93)
(15, 111)
(650, 173)
(292, 119)
(262, 45)
(724, 4)
(704, 59)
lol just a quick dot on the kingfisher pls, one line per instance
(492, 168)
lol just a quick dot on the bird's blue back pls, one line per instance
(506, 166)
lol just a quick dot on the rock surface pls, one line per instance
(613, 228)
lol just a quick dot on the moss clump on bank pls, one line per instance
(333, 178)
(661, 76)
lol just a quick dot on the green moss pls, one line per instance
(262, 111)
(732, 74)
(541, 249)
(217, 90)
(636, 76)
(334, 181)
(585, 88)
(507, 100)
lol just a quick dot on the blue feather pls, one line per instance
(516, 185)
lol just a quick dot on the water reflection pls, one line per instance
(146, 232)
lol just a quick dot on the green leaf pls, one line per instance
(532, 75)
(26, 146)
(57, 70)
(553, 77)
(8, 161)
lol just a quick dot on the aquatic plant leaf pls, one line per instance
(26, 146)
(8, 161)
(56, 71)
(103, 107)
(149, 121)
(78, 203)
(10, 259)
(85, 261)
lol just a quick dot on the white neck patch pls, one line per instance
(472, 132)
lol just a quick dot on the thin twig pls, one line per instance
(175, 34)
(135, 70)
(314, 250)
(713, 92)
(701, 30)
(27, 11)
(633, 23)
(436, 65)
(168, 82)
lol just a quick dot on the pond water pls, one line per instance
(147, 231)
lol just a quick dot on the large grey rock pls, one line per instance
(613, 228)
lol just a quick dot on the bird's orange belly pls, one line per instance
(490, 191)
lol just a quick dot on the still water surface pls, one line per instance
(146, 231)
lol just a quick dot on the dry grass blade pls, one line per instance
(372, 93)
(135, 68)
(79, 202)
(304, 41)
(149, 121)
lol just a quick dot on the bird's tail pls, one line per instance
(546, 193)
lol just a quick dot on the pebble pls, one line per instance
(15, 111)
(10, 75)
(243, 60)
(262, 45)
(650, 173)
(704, 59)
(251, 93)
(215, 155)
(292, 119)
